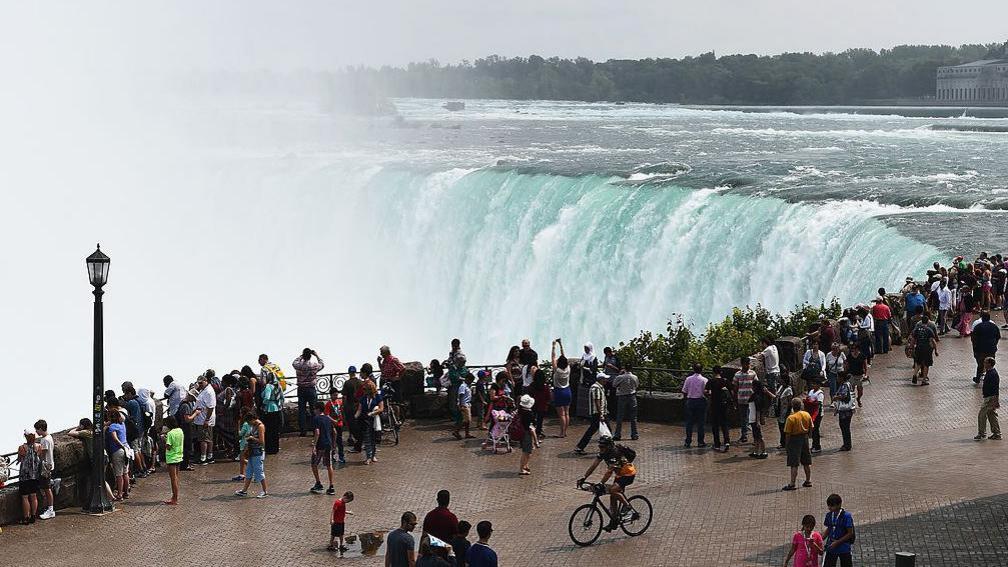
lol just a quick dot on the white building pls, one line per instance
(979, 82)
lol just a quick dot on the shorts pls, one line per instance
(255, 469)
(625, 481)
(924, 358)
(466, 413)
(336, 530)
(28, 486)
(205, 433)
(855, 381)
(135, 444)
(118, 462)
(526, 443)
(322, 457)
(798, 451)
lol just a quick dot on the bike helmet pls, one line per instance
(605, 440)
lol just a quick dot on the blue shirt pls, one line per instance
(119, 430)
(324, 426)
(913, 301)
(843, 521)
(480, 555)
(464, 395)
(133, 408)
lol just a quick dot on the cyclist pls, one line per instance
(619, 461)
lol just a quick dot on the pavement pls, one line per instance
(916, 481)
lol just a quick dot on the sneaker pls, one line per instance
(726, 447)
(687, 444)
(203, 462)
(579, 451)
(995, 437)
(330, 491)
(701, 445)
(317, 489)
(980, 437)
(210, 461)
(241, 493)
(261, 495)
(762, 456)
(48, 514)
(238, 478)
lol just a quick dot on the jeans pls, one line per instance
(881, 335)
(696, 411)
(831, 379)
(719, 425)
(815, 432)
(743, 416)
(593, 425)
(771, 380)
(338, 434)
(943, 326)
(626, 408)
(370, 437)
(845, 419)
(307, 396)
(831, 560)
(538, 419)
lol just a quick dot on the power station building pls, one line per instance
(980, 82)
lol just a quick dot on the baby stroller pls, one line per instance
(498, 432)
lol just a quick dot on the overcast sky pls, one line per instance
(322, 34)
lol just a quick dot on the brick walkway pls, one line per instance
(916, 481)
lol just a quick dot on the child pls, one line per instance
(45, 480)
(334, 411)
(338, 525)
(174, 441)
(480, 399)
(460, 543)
(528, 439)
(806, 545)
(465, 406)
(322, 453)
(243, 433)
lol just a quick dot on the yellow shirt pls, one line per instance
(798, 423)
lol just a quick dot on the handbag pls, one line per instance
(603, 430)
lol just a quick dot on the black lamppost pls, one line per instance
(98, 268)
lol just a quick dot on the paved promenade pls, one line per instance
(916, 481)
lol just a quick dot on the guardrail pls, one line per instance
(13, 478)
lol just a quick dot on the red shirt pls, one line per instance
(881, 312)
(337, 407)
(338, 511)
(391, 368)
(441, 523)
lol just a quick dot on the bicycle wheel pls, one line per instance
(640, 516)
(585, 525)
(396, 425)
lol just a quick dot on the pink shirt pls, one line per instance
(805, 554)
(693, 387)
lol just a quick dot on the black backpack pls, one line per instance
(629, 453)
(132, 431)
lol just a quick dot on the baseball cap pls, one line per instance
(352, 369)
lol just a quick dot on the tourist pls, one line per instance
(460, 543)
(529, 360)
(542, 394)
(306, 371)
(173, 394)
(845, 405)
(205, 418)
(856, 365)
(770, 358)
(988, 411)
(227, 417)
(337, 526)
(351, 394)
(480, 554)
(134, 427)
(84, 432)
(399, 547)
(561, 386)
(528, 439)
(149, 439)
(866, 333)
(250, 389)
(913, 301)
(836, 362)
(256, 469)
(456, 366)
(272, 396)
(48, 465)
(610, 363)
(174, 441)
(437, 374)
(244, 430)
(29, 473)
(743, 391)
(116, 445)
(434, 552)
(944, 306)
(720, 395)
(368, 409)
(186, 414)
(322, 448)
(924, 345)
(694, 390)
(334, 411)
(619, 462)
(597, 411)
(480, 398)
(882, 316)
(440, 522)
(967, 310)
(391, 371)
(826, 335)
(806, 545)
(513, 366)
(814, 363)
(589, 371)
(814, 401)
(782, 405)
(838, 533)
(984, 340)
(626, 384)
(759, 401)
(464, 407)
(796, 431)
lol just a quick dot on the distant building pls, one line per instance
(980, 82)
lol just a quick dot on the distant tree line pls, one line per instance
(850, 77)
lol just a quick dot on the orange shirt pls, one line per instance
(798, 423)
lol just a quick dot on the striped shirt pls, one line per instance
(597, 400)
(743, 386)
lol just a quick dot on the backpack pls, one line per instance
(276, 394)
(629, 453)
(516, 431)
(132, 431)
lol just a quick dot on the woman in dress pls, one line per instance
(227, 417)
(368, 411)
(561, 386)
(542, 394)
(967, 306)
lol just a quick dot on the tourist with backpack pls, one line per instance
(134, 428)
(619, 461)
(256, 469)
(838, 533)
(759, 402)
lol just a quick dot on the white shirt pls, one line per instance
(944, 299)
(207, 399)
(771, 361)
(817, 396)
(47, 445)
(868, 323)
(835, 364)
(822, 361)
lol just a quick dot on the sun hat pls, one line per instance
(527, 401)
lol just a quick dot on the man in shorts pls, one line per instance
(619, 461)
(924, 344)
(322, 453)
(206, 418)
(796, 432)
(857, 367)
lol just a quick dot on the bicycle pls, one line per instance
(585, 524)
(391, 418)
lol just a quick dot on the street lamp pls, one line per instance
(98, 267)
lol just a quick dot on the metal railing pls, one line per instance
(14, 468)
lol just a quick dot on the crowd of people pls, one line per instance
(238, 417)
